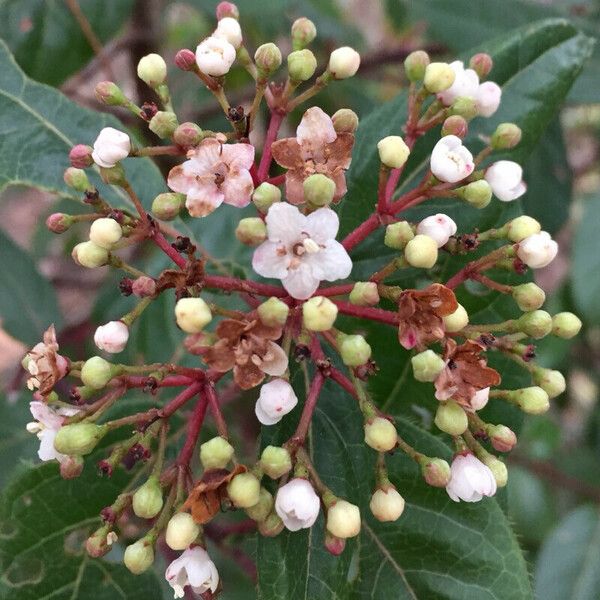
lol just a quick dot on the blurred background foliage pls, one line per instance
(554, 484)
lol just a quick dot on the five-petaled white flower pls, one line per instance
(297, 504)
(110, 147)
(193, 568)
(450, 160)
(215, 173)
(276, 399)
(470, 479)
(506, 180)
(301, 250)
(46, 425)
(438, 227)
(537, 250)
(466, 83)
(214, 56)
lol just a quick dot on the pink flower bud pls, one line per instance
(438, 227)
(470, 479)
(143, 287)
(334, 545)
(185, 59)
(112, 337)
(487, 98)
(503, 438)
(109, 93)
(482, 64)
(227, 9)
(71, 467)
(187, 135)
(58, 222)
(455, 125)
(537, 250)
(81, 156)
(276, 399)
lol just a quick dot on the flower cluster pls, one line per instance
(294, 235)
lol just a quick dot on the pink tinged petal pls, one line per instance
(339, 178)
(46, 451)
(200, 202)
(315, 128)
(271, 259)
(487, 98)
(331, 263)
(277, 362)
(237, 189)
(264, 417)
(240, 156)
(294, 186)
(408, 340)
(45, 415)
(300, 282)
(178, 181)
(322, 225)
(285, 223)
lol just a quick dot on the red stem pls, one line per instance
(361, 232)
(277, 180)
(308, 410)
(194, 427)
(368, 312)
(233, 284)
(163, 244)
(134, 381)
(335, 290)
(265, 161)
(215, 409)
(181, 399)
(382, 197)
(342, 380)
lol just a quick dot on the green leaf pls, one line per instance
(43, 125)
(46, 39)
(585, 274)
(28, 305)
(569, 562)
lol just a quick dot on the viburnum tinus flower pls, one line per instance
(317, 148)
(450, 160)
(506, 180)
(110, 147)
(112, 337)
(297, 504)
(215, 173)
(537, 250)
(194, 568)
(470, 479)
(301, 250)
(248, 348)
(44, 364)
(439, 227)
(46, 425)
(214, 56)
(276, 399)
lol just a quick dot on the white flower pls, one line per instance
(487, 98)
(438, 227)
(301, 250)
(537, 250)
(450, 160)
(110, 147)
(112, 337)
(480, 398)
(214, 56)
(297, 504)
(466, 84)
(229, 29)
(193, 568)
(276, 399)
(470, 479)
(46, 425)
(506, 180)
(344, 62)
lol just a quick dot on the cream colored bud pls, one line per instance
(192, 314)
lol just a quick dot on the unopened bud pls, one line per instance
(97, 372)
(110, 93)
(77, 179)
(566, 325)
(275, 461)
(216, 453)
(261, 510)
(71, 467)
(421, 252)
(143, 287)
(152, 70)
(319, 314)
(455, 125)
(186, 60)
(97, 544)
(380, 434)
(532, 400)
(163, 124)
(354, 350)
(81, 156)
(522, 227)
(464, 107)
(393, 151)
(114, 175)
(334, 545)
(168, 205)
(436, 471)
(59, 222)
(271, 526)
(415, 64)
(438, 77)
(457, 320)
(528, 296)
(364, 293)
(397, 235)
(244, 490)
(147, 500)
(267, 58)
(345, 121)
(506, 136)
(318, 190)
(451, 418)
(551, 381)
(427, 365)
(503, 438)
(227, 9)
(477, 193)
(482, 64)
(192, 314)
(302, 65)
(79, 439)
(387, 504)
(265, 195)
(343, 519)
(343, 63)
(536, 324)
(303, 33)
(498, 469)
(139, 556)
(89, 255)
(105, 232)
(187, 135)
(182, 531)
(273, 312)
(251, 231)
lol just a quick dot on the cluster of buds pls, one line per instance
(294, 235)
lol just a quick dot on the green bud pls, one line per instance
(551, 381)
(97, 372)
(79, 439)
(110, 93)
(345, 121)
(478, 193)
(498, 469)
(455, 125)
(114, 175)
(415, 64)
(536, 324)
(267, 58)
(506, 136)
(303, 33)
(261, 510)
(343, 519)
(438, 77)
(89, 255)
(464, 107)
(163, 124)
(271, 526)
(457, 320)
(251, 231)
(532, 400)
(566, 325)
(451, 418)
(275, 461)
(302, 65)
(380, 434)
(273, 312)
(393, 151)
(397, 235)
(528, 296)
(421, 252)
(318, 190)
(105, 232)
(435, 471)
(138, 557)
(168, 205)
(182, 531)
(244, 490)
(364, 293)
(319, 313)
(77, 179)
(152, 70)
(265, 195)
(522, 227)
(354, 350)
(188, 135)
(503, 438)
(427, 365)
(216, 453)
(148, 499)
(192, 314)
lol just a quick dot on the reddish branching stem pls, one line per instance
(194, 427)
(272, 131)
(213, 402)
(310, 404)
